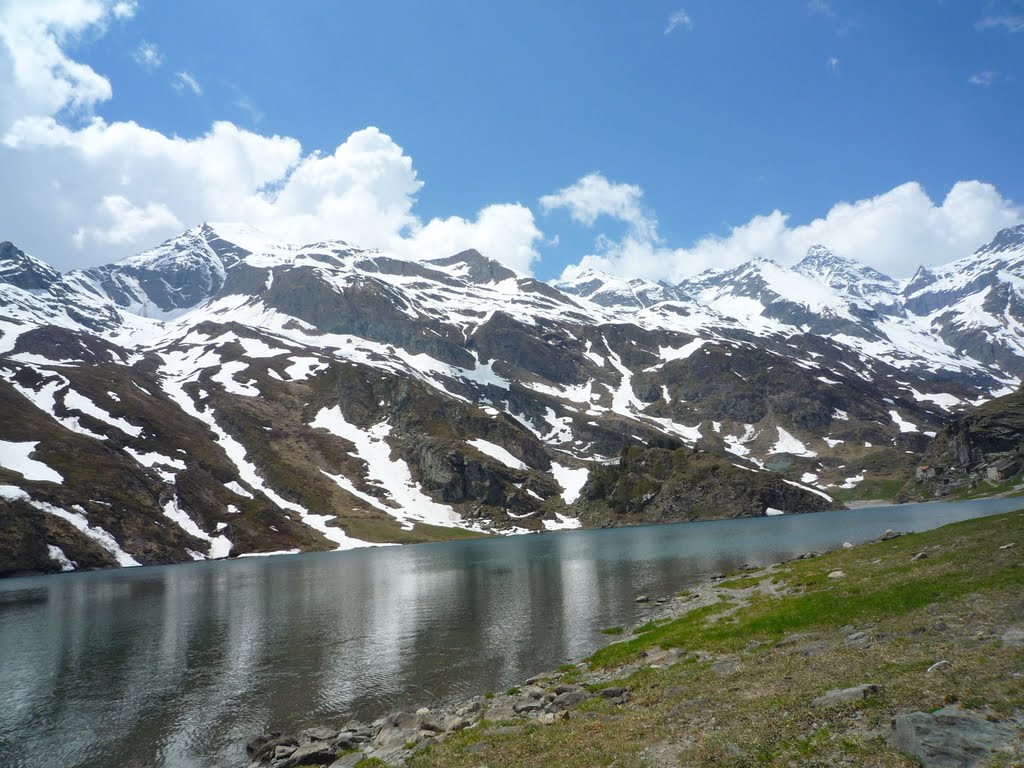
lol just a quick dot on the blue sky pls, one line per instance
(713, 113)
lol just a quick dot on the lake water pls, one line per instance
(180, 665)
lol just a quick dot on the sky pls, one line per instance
(649, 139)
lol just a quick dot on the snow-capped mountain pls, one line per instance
(227, 392)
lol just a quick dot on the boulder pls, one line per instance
(839, 696)
(952, 737)
(317, 753)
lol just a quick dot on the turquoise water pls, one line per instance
(180, 665)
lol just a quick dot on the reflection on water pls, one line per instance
(182, 664)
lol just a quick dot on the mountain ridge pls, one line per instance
(263, 396)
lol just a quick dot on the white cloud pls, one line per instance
(833, 63)
(81, 193)
(594, 196)
(183, 80)
(894, 232)
(148, 56)
(1009, 23)
(123, 222)
(985, 78)
(38, 77)
(124, 9)
(678, 19)
(820, 6)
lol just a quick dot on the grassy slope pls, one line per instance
(754, 709)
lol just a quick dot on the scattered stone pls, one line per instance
(725, 667)
(423, 711)
(814, 648)
(570, 700)
(847, 545)
(612, 693)
(1008, 546)
(938, 666)
(837, 575)
(317, 753)
(890, 534)
(397, 730)
(641, 599)
(283, 750)
(527, 705)
(846, 695)
(1013, 637)
(348, 761)
(919, 556)
(952, 737)
(792, 639)
(318, 734)
(455, 723)
(480, 746)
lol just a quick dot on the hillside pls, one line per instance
(227, 393)
(981, 452)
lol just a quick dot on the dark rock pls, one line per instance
(317, 753)
(613, 692)
(952, 737)
(569, 700)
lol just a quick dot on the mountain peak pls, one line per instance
(1006, 239)
(473, 266)
(19, 269)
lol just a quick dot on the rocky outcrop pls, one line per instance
(962, 453)
(671, 483)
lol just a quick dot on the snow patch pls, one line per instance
(15, 457)
(571, 480)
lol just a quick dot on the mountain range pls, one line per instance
(228, 393)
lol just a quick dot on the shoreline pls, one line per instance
(612, 689)
(401, 734)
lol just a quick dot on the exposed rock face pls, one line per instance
(961, 454)
(662, 484)
(226, 392)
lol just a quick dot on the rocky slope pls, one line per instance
(983, 450)
(228, 393)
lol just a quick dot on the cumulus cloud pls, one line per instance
(183, 80)
(678, 19)
(38, 76)
(594, 196)
(119, 221)
(85, 191)
(894, 232)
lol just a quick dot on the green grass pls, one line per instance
(744, 582)
(757, 711)
(869, 593)
(390, 532)
(869, 488)
(612, 631)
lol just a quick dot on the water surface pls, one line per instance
(179, 665)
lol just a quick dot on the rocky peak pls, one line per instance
(1006, 239)
(22, 271)
(847, 276)
(473, 266)
(612, 291)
